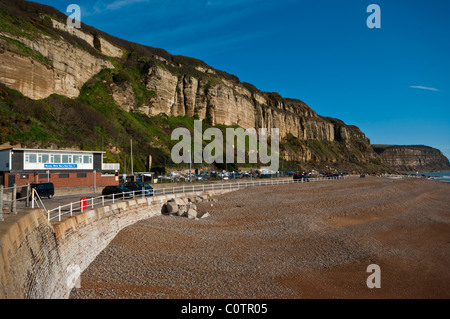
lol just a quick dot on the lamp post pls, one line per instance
(132, 170)
(1, 203)
(190, 166)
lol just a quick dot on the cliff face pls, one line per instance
(231, 103)
(412, 158)
(40, 56)
(53, 65)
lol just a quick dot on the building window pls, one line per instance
(81, 175)
(30, 158)
(63, 175)
(43, 158)
(77, 159)
(67, 159)
(24, 176)
(43, 176)
(55, 159)
(87, 159)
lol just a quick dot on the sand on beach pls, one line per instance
(310, 240)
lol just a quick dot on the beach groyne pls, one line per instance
(43, 260)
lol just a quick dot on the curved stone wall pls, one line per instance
(38, 259)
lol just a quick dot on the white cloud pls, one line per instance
(100, 6)
(122, 3)
(424, 88)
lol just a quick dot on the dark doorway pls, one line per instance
(11, 180)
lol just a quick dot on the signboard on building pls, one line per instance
(60, 165)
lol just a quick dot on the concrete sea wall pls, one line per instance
(39, 259)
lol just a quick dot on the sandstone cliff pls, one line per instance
(41, 60)
(412, 158)
(40, 56)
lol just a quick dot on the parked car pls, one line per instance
(44, 189)
(118, 190)
(138, 187)
(297, 177)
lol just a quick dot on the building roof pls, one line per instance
(50, 150)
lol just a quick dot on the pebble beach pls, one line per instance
(307, 240)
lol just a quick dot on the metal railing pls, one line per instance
(100, 201)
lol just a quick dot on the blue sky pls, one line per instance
(393, 82)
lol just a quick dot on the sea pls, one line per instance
(438, 176)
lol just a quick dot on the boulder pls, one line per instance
(192, 213)
(203, 215)
(183, 207)
(182, 210)
(171, 207)
(179, 201)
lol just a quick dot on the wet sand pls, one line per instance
(310, 240)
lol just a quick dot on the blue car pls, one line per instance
(138, 187)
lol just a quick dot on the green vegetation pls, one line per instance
(16, 26)
(20, 48)
(326, 150)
